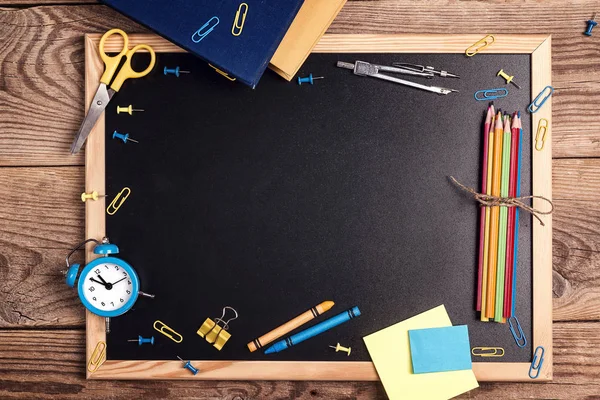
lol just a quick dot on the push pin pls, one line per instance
(123, 137)
(339, 347)
(129, 110)
(188, 365)
(308, 79)
(142, 340)
(91, 196)
(175, 71)
(509, 79)
(591, 24)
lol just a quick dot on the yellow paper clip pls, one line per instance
(480, 45)
(98, 357)
(487, 351)
(113, 207)
(222, 73)
(168, 332)
(540, 137)
(214, 333)
(236, 29)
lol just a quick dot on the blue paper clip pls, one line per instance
(539, 101)
(520, 338)
(205, 30)
(537, 368)
(491, 94)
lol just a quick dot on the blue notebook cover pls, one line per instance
(204, 27)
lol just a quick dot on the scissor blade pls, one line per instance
(101, 99)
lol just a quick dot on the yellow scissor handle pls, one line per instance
(112, 63)
(126, 72)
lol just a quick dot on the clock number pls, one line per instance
(106, 266)
(124, 273)
(128, 282)
(93, 298)
(102, 303)
(122, 301)
(92, 288)
(128, 291)
(97, 271)
(112, 303)
(117, 267)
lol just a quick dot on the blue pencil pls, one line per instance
(314, 330)
(518, 193)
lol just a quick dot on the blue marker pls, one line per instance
(314, 331)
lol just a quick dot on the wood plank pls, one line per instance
(41, 101)
(43, 364)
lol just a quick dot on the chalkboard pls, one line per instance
(275, 199)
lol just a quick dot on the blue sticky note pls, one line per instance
(440, 349)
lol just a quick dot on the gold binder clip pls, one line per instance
(168, 332)
(540, 137)
(113, 207)
(479, 45)
(236, 29)
(214, 333)
(98, 357)
(222, 73)
(487, 351)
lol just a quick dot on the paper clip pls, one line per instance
(98, 357)
(236, 29)
(540, 361)
(487, 351)
(205, 29)
(491, 94)
(539, 101)
(480, 45)
(225, 74)
(168, 332)
(520, 339)
(540, 137)
(220, 336)
(113, 207)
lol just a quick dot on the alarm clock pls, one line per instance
(108, 286)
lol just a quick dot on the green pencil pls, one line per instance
(504, 181)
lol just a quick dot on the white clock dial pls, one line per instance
(107, 287)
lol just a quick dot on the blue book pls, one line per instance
(204, 28)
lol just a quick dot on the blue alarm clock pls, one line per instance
(108, 286)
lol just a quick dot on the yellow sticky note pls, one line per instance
(389, 349)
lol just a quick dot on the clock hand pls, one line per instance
(103, 281)
(93, 280)
(122, 279)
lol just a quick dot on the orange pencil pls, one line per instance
(494, 219)
(290, 325)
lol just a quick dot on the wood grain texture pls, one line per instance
(41, 91)
(25, 375)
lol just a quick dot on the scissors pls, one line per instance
(107, 90)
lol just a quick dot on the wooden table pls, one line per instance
(41, 216)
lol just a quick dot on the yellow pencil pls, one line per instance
(290, 325)
(486, 236)
(494, 219)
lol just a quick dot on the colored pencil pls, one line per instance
(494, 219)
(518, 193)
(487, 217)
(510, 235)
(503, 220)
(486, 130)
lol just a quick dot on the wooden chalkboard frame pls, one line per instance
(539, 46)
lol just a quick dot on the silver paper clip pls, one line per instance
(541, 98)
(536, 368)
(363, 68)
(205, 29)
(520, 338)
(490, 94)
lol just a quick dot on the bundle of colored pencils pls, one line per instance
(499, 225)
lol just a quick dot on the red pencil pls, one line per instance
(486, 130)
(510, 237)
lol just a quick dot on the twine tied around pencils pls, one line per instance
(487, 200)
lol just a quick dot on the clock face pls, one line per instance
(108, 287)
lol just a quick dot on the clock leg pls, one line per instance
(146, 294)
(107, 324)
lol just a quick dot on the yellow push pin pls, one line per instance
(339, 347)
(129, 110)
(509, 79)
(90, 196)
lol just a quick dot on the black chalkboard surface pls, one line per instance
(275, 199)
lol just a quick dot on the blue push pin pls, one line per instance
(123, 137)
(308, 79)
(188, 365)
(591, 24)
(142, 340)
(176, 71)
